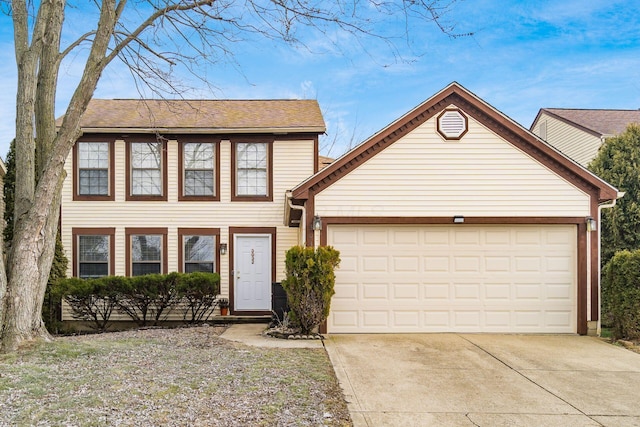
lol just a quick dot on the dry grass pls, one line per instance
(162, 377)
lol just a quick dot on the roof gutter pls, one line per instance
(303, 219)
(276, 130)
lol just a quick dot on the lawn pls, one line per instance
(168, 377)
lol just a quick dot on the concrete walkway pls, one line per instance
(251, 334)
(486, 380)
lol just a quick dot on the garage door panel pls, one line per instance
(375, 291)
(405, 264)
(466, 264)
(375, 264)
(448, 279)
(406, 291)
(435, 263)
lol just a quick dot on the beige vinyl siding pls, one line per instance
(423, 175)
(292, 163)
(579, 145)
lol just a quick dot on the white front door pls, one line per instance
(252, 270)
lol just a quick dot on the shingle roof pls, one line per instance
(200, 115)
(602, 122)
(324, 161)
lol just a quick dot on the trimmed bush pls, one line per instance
(621, 295)
(150, 297)
(93, 300)
(144, 299)
(200, 292)
(309, 284)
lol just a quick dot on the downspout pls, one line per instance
(609, 205)
(303, 218)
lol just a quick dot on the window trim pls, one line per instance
(234, 172)
(148, 232)
(198, 232)
(76, 171)
(216, 173)
(76, 232)
(163, 169)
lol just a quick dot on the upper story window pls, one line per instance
(93, 252)
(93, 171)
(252, 171)
(199, 177)
(146, 169)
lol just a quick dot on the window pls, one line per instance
(93, 252)
(199, 174)
(146, 251)
(146, 171)
(93, 256)
(198, 249)
(252, 174)
(199, 253)
(93, 177)
(146, 254)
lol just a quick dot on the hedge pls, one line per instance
(621, 294)
(145, 299)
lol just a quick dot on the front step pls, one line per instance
(265, 318)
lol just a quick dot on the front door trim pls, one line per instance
(233, 231)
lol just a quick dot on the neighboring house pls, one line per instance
(451, 219)
(579, 133)
(155, 186)
(454, 218)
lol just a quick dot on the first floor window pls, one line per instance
(93, 256)
(199, 253)
(146, 254)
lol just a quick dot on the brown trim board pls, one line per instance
(231, 251)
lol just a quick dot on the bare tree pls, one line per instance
(152, 37)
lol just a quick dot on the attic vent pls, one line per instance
(452, 124)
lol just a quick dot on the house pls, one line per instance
(454, 218)
(579, 133)
(155, 186)
(451, 219)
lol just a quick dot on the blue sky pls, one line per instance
(525, 55)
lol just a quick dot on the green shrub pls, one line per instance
(200, 292)
(93, 300)
(144, 299)
(621, 295)
(309, 284)
(149, 297)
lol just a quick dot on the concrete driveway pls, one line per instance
(486, 380)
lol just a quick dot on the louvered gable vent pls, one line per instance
(452, 124)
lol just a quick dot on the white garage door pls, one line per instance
(454, 278)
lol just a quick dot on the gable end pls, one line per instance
(495, 121)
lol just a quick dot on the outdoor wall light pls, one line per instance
(592, 225)
(317, 223)
(223, 248)
(458, 219)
